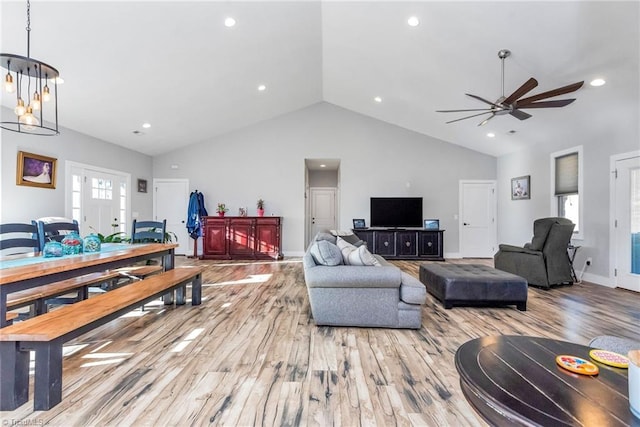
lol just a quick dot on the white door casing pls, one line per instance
(323, 209)
(626, 180)
(98, 198)
(477, 219)
(171, 202)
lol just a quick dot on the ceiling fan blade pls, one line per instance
(462, 111)
(484, 122)
(528, 86)
(520, 114)
(483, 100)
(468, 117)
(550, 94)
(548, 104)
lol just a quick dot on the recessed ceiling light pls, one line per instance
(229, 22)
(413, 21)
(262, 88)
(597, 82)
(323, 166)
(491, 134)
(146, 125)
(377, 99)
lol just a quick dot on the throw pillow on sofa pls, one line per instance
(352, 255)
(326, 253)
(349, 237)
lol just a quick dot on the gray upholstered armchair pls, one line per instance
(544, 261)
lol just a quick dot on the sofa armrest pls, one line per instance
(412, 290)
(352, 276)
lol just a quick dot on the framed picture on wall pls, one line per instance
(521, 187)
(35, 170)
(142, 186)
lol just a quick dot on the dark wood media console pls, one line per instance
(408, 243)
(241, 237)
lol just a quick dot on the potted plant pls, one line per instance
(221, 209)
(260, 206)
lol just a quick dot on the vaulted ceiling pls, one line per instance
(178, 67)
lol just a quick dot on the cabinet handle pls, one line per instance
(386, 243)
(429, 244)
(408, 244)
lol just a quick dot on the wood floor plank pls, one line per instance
(251, 355)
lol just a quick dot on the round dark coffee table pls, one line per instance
(514, 380)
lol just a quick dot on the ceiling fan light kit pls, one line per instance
(514, 104)
(35, 76)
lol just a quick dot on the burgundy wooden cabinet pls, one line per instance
(241, 237)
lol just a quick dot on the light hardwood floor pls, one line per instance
(251, 355)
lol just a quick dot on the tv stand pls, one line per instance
(409, 244)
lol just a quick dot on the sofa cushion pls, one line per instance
(349, 237)
(325, 236)
(352, 255)
(326, 253)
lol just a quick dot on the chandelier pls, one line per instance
(24, 72)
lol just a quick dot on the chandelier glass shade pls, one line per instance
(34, 84)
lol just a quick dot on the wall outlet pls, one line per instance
(589, 260)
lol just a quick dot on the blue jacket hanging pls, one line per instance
(193, 216)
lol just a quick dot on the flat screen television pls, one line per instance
(396, 212)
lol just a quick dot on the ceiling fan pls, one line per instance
(514, 104)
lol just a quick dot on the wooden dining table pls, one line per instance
(25, 271)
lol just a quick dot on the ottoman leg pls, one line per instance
(522, 306)
(447, 305)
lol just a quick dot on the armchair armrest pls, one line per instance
(510, 248)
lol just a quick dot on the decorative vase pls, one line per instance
(260, 212)
(72, 244)
(92, 244)
(52, 249)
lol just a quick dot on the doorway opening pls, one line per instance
(322, 196)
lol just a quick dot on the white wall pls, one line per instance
(22, 204)
(376, 159)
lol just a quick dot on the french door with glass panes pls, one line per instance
(99, 200)
(627, 223)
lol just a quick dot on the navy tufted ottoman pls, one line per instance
(472, 284)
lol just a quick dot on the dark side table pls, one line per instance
(514, 380)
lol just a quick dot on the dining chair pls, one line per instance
(18, 238)
(55, 229)
(148, 231)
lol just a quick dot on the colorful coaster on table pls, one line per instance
(609, 358)
(577, 365)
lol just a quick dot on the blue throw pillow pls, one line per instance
(326, 253)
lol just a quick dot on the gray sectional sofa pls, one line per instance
(360, 295)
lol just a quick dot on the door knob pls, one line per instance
(465, 223)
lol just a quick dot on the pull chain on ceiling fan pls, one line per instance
(513, 104)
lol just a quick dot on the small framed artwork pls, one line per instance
(359, 223)
(142, 186)
(521, 187)
(432, 224)
(35, 170)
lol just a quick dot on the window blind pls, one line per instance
(567, 174)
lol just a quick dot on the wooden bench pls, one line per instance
(139, 272)
(11, 317)
(47, 333)
(39, 295)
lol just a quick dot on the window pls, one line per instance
(566, 181)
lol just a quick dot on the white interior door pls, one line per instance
(170, 202)
(103, 203)
(323, 209)
(627, 220)
(478, 231)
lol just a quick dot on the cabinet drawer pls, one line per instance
(429, 244)
(406, 244)
(385, 243)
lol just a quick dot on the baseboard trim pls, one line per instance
(599, 280)
(453, 255)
